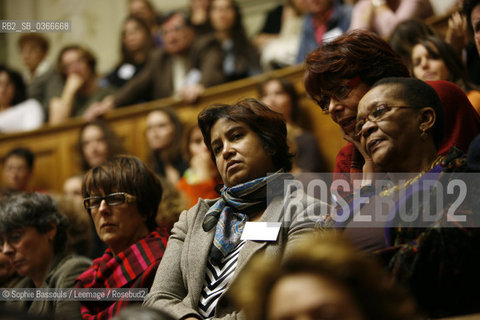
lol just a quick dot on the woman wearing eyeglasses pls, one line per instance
(33, 236)
(122, 196)
(401, 125)
(340, 72)
(213, 241)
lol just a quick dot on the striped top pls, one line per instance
(217, 278)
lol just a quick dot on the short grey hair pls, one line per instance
(35, 210)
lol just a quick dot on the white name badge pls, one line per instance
(261, 231)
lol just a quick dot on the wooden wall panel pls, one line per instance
(55, 147)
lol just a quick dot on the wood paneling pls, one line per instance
(55, 151)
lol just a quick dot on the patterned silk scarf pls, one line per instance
(230, 212)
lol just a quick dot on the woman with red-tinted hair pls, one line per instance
(342, 71)
(338, 75)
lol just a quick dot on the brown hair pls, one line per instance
(332, 257)
(87, 55)
(355, 53)
(35, 38)
(114, 143)
(127, 174)
(267, 124)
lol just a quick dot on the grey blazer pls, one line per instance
(180, 276)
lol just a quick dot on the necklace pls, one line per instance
(388, 192)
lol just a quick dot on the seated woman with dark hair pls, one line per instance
(122, 197)
(401, 125)
(434, 59)
(33, 235)
(17, 113)
(213, 241)
(340, 72)
(281, 96)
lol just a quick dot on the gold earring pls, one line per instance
(424, 135)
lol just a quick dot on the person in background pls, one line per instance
(406, 34)
(324, 277)
(201, 178)
(279, 38)
(33, 235)
(17, 170)
(472, 11)
(96, 143)
(434, 59)
(33, 50)
(80, 90)
(136, 46)
(325, 20)
(17, 112)
(382, 16)
(240, 57)
(281, 96)
(205, 252)
(164, 138)
(122, 198)
(198, 12)
(143, 9)
(184, 67)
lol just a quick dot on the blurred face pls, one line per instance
(475, 18)
(388, 141)
(133, 36)
(222, 15)
(344, 111)
(118, 226)
(160, 130)
(72, 188)
(428, 67)
(276, 98)
(7, 90)
(239, 153)
(29, 251)
(310, 297)
(32, 55)
(301, 6)
(6, 268)
(73, 61)
(196, 145)
(177, 36)
(319, 6)
(94, 146)
(140, 9)
(16, 173)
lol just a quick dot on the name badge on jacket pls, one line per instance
(261, 231)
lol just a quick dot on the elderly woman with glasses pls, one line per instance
(412, 219)
(122, 196)
(340, 72)
(213, 241)
(33, 235)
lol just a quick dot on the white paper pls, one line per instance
(261, 231)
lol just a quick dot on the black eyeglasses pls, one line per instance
(339, 94)
(376, 114)
(113, 199)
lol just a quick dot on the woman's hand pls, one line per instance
(457, 35)
(369, 167)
